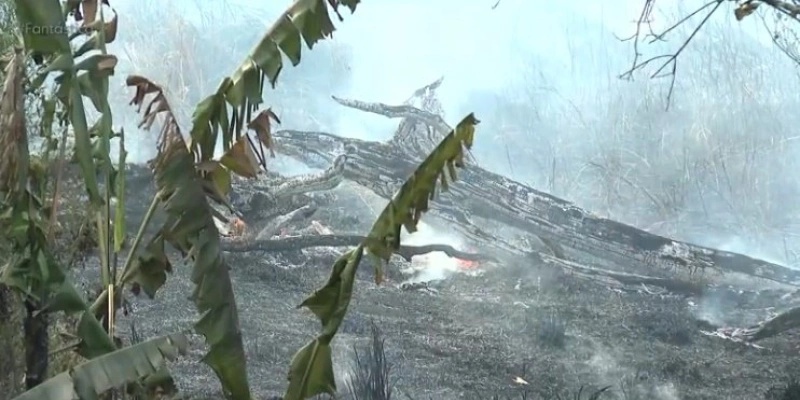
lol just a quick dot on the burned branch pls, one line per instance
(422, 125)
(294, 243)
(401, 111)
(774, 326)
(626, 279)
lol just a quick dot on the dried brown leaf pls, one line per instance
(262, 125)
(745, 9)
(12, 122)
(143, 88)
(158, 104)
(107, 63)
(241, 159)
(110, 29)
(89, 8)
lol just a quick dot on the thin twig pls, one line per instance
(671, 59)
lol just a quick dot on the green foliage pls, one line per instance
(311, 371)
(186, 173)
(370, 375)
(229, 110)
(182, 190)
(48, 37)
(32, 269)
(190, 228)
(92, 378)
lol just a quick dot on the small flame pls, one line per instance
(239, 227)
(235, 228)
(466, 264)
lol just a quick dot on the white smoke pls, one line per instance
(436, 265)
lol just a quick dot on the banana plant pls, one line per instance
(189, 175)
(185, 173)
(31, 269)
(34, 272)
(46, 35)
(91, 379)
(311, 370)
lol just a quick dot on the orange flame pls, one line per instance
(466, 264)
(239, 227)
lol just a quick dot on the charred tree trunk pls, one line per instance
(36, 345)
(588, 246)
(571, 233)
(382, 168)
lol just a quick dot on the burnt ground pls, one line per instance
(473, 335)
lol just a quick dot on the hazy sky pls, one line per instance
(400, 45)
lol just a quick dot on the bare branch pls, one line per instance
(671, 59)
(784, 7)
(408, 133)
(402, 111)
(783, 37)
(300, 242)
(742, 10)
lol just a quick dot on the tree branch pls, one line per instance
(325, 180)
(401, 111)
(671, 60)
(300, 242)
(422, 127)
(644, 32)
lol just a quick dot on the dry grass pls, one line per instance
(711, 169)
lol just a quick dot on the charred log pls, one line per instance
(274, 226)
(774, 326)
(676, 286)
(568, 231)
(278, 187)
(382, 168)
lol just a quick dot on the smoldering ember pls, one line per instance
(505, 290)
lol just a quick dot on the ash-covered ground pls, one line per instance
(510, 330)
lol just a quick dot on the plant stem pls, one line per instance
(126, 269)
(148, 216)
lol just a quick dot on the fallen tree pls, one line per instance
(567, 230)
(572, 238)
